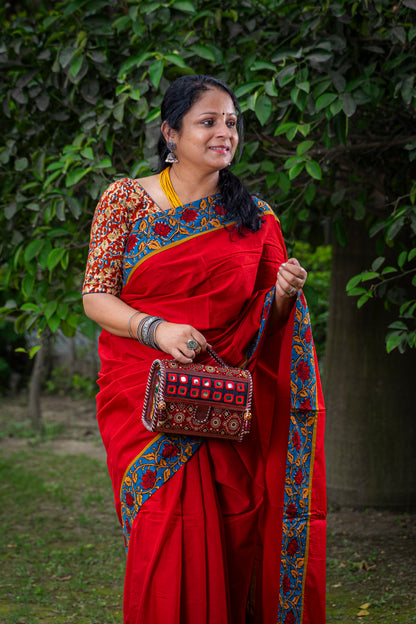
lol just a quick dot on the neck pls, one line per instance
(190, 185)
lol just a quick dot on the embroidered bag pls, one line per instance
(198, 399)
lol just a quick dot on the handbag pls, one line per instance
(198, 399)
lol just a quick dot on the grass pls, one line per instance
(371, 575)
(63, 556)
(60, 542)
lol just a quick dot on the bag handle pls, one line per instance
(216, 357)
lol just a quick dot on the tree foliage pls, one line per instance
(328, 90)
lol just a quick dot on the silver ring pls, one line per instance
(291, 291)
(192, 344)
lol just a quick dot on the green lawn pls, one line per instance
(62, 554)
(61, 546)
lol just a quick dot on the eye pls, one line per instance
(231, 123)
(208, 122)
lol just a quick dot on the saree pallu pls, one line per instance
(212, 527)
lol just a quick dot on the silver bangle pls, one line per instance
(129, 323)
(145, 331)
(152, 332)
(142, 329)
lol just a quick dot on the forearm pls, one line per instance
(117, 317)
(281, 309)
(112, 314)
(290, 279)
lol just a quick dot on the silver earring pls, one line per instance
(171, 158)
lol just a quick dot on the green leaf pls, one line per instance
(87, 153)
(33, 249)
(54, 323)
(402, 259)
(309, 193)
(76, 65)
(73, 320)
(363, 299)
(30, 307)
(393, 340)
(34, 350)
(352, 283)
(377, 263)
(259, 65)
(263, 108)
(133, 62)
(28, 283)
(296, 170)
(118, 111)
(54, 257)
(303, 147)
(155, 72)
(395, 228)
(398, 325)
(294, 160)
(104, 163)
(388, 270)
(203, 52)
(154, 114)
(325, 100)
(369, 275)
(49, 309)
(285, 128)
(283, 182)
(304, 86)
(21, 164)
(74, 176)
(336, 107)
(314, 170)
(184, 6)
(247, 87)
(412, 254)
(355, 292)
(175, 59)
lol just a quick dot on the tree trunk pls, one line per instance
(371, 424)
(35, 391)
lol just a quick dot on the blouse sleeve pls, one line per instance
(109, 231)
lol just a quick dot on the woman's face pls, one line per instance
(208, 138)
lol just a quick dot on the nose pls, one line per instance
(225, 130)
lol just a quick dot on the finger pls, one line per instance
(196, 335)
(292, 269)
(282, 292)
(286, 288)
(181, 357)
(294, 275)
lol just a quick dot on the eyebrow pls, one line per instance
(216, 113)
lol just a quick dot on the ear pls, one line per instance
(168, 133)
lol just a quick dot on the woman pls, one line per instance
(216, 531)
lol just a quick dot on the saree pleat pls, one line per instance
(217, 532)
(192, 545)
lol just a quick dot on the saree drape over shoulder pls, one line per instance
(216, 531)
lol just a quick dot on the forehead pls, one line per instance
(213, 101)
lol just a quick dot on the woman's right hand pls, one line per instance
(172, 338)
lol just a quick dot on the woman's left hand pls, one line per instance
(291, 278)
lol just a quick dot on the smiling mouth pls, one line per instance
(220, 148)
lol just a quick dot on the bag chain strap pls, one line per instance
(216, 357)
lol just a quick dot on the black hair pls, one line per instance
(178, 100)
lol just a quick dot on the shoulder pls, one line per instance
(126, 196)
(121, 190)
(264, 208)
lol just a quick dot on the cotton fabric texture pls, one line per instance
(215, 530)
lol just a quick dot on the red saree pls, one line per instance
(215, 530)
